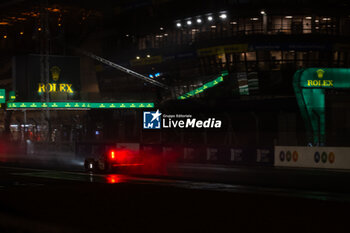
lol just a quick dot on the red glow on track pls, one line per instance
(127, 164)
(113, 179)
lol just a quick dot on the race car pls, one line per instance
(113, 159)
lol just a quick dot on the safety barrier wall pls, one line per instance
(312, 157)
(187, 154)
(279, 156)
(230, 155)
(12, 148)
(59, 149)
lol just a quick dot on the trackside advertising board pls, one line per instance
(312, 157)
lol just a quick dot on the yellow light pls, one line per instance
(21, 33)
(5, 36)
(148, 55)
(4, 23)
(137, 57)
(59, 25)
(39, 28)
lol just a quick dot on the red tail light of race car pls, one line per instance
(112, 155)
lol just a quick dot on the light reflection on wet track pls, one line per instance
(185, 184)
(74, 201)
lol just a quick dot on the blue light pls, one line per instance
(97, 132)
(151, 76)
(157, 74)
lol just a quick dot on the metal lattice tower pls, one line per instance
(123, 69)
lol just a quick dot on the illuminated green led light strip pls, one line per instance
(2, 95)
(204, 87)
(77, 105)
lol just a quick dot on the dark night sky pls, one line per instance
(140, 17)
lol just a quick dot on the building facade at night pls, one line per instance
(264, 41)
(260, 44)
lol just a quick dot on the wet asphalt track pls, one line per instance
(182, 198)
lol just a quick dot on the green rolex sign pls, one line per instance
(309, 86)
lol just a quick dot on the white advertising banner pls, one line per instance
(313, 157)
